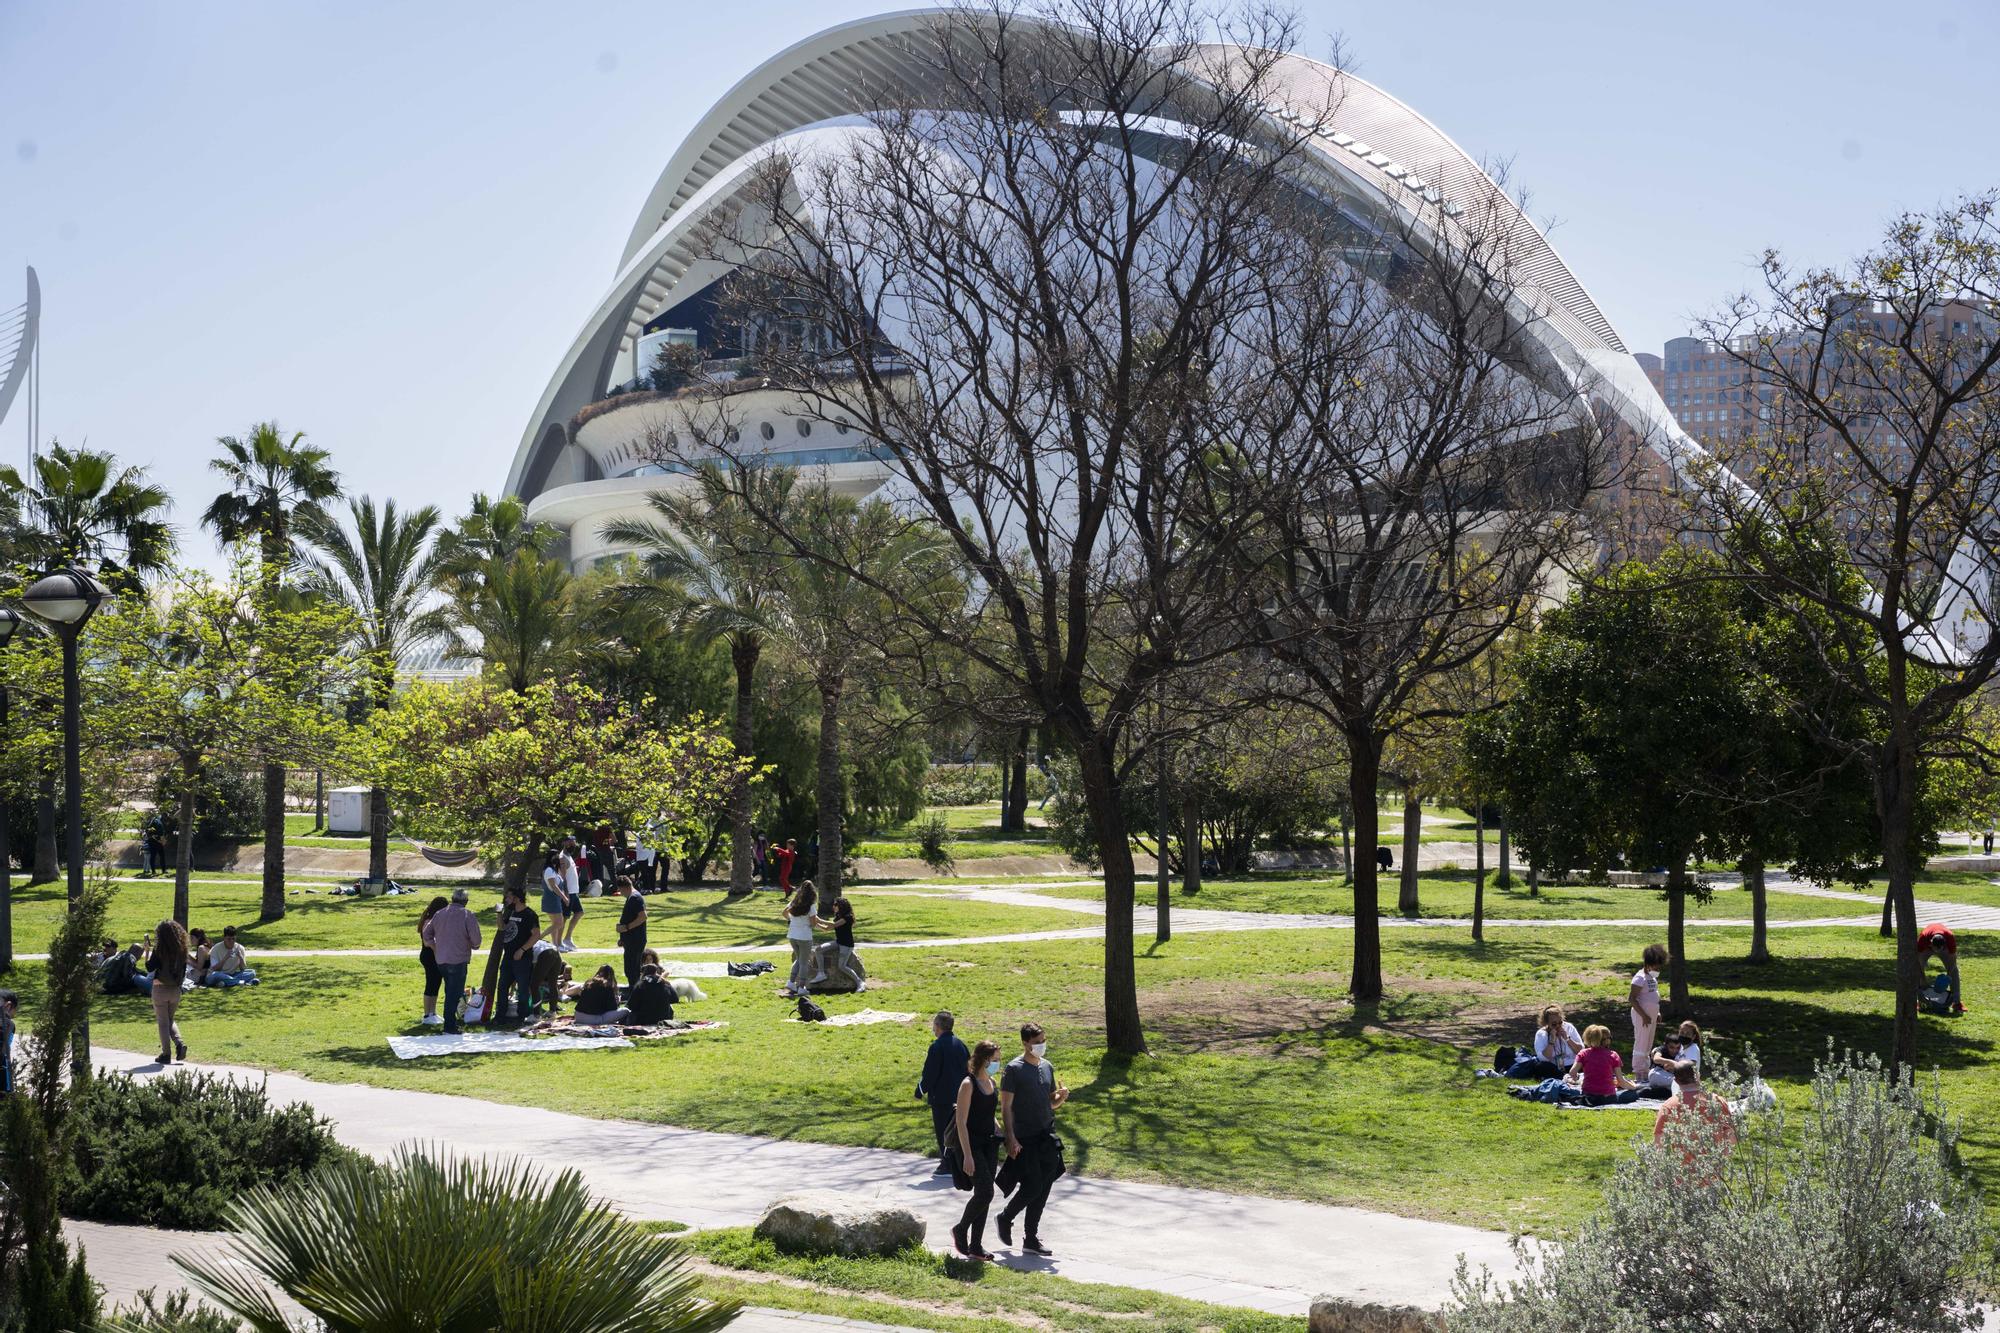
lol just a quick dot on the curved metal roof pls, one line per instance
(1383, 153)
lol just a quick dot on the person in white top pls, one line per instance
(1645, 1001)
(1556, 1045)
(799, 931)
(1690, 1036)
(573, 895)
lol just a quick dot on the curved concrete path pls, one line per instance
(1231, 1249)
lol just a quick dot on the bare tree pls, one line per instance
(1875, 452)
(1429, 468)
(1027, 288)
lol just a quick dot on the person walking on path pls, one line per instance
(452, 935)
(1644, 998)
(799, 931)
(1030, 1096)
(944, 1069)
(978, 1147)
(631, 928)
(169, 966)
(427, 957)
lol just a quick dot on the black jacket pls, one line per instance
(944, 1069)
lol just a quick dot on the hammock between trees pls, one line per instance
(439, 857)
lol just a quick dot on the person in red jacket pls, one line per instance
(1936, 940)
(784, 858)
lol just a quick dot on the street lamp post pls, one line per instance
(67, 599)
(9, 622)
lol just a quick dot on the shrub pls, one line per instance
(178, 1313)
(935, 837)
(1855, 1220)
(175, 1151)
(230, 804)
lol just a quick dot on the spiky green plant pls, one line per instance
(449, 1246)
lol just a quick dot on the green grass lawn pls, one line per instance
(921, 1288)
(317, 919)
(1261, 1076)
(1449, 894)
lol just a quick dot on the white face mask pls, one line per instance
(1039, 1049)
(993, 1069)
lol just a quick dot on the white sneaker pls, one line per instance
(433, 1020)
(565, 947)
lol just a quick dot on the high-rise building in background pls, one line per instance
(1719, 392)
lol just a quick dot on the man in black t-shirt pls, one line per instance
(631, 927)
(519, 930)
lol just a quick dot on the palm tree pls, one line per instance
(421, 1243)
(273, 483)
(518, 617)
(831, 607)
(80, 508)
(493, 530)
(716, 588)
(382, 570)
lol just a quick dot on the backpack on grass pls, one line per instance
(810, 1012)
(1504, 1058)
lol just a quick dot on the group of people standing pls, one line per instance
(802, 918)
(995, 1127)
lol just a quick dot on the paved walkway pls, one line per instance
(1266, 1254)
(129, 1260)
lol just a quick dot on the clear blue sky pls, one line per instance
(382, 223)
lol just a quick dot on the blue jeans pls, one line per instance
(225, 979)
(143, 981)
(524, 984)
(1629, 1095)
(1554, 1090)
(454, 991)
(1532, 1066)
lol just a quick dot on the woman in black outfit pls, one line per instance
(978, 1147)
(433, 974)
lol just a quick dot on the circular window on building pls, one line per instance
(735, 436)
(766, 430)
(840, 428)
(805, 427)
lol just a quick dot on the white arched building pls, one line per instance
(584, 457)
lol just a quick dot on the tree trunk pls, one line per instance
(1505, 879)
(742, 849)
(378, 834)
(274, 841)
(1677, 966)
(1363, 771)
(1014, 818)
(832, 794)
(1190, 845)
(1888, 908)
(1753, 879)
(184, 846)
(1479, 868)
(1098, 774)
(319, 800)
(1895, 803)
(1413, 840)
(45, 868)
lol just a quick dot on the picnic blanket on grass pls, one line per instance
(560, 1036)
(861, 1018)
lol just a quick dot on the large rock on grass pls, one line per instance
(827, 1222)
(1332, 1314)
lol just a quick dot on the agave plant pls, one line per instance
(449, 1246)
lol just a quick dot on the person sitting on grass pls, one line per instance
(226, 964)
(1690, 1035)
(1694, 1111)
(1556, 1045)
(597, 1004)
(1603, 1070)
(650, 999)
(123, 974)
(198, 951)
(1659, 1083)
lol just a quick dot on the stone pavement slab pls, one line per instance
(1267, 1254)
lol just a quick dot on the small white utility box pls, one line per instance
(347, 810)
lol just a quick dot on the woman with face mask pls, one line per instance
(978, 1147)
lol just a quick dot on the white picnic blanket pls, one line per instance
(1643, 1104)
(860, 1018)
(494, 1043)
